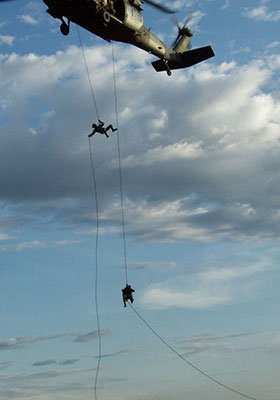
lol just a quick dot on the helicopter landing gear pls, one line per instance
(168, 70)
(64, 28)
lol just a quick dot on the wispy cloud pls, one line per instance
(70, 361)
(114, 354)
(15, 343)
(43, 363)
(226, 4)
(4, 236)
(4, 364)
(161, 154)
(204, 289)
(273, 45)
(273, 344)
(28, 19)
(50, 374)
(87, 337)
(7, 39)
(262, 13)
(154, 265)
(220, 346)
(214, 350)
(36, 244)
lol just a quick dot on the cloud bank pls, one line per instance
(200, 170)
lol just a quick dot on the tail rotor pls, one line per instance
(182, 31)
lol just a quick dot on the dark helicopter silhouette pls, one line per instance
(122, 21)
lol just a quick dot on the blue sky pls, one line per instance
(200, 164)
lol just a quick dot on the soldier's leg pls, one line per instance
(111, 127)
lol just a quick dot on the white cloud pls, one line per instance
(171, 266)
(33, 131)
(5, 364)
(4, 236)
(262, 13)
(36, 244)
(88, 337)
(204, 289)
(273, 343)
(162, 222)
(205, 169)
(163, 154)
(42, 375)
(212, 350)
(7, 39)
(274, 44)
(226, 4)
(15, 343)
(43, 363)
(28, 19)
(196, 17)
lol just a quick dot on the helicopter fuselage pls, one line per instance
(120, 21)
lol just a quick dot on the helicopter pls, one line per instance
(122, 21)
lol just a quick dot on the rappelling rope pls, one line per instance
(96, 272)
(187, 361)
(120, 167)
(97, 225)
(124, 247)
(88, 74)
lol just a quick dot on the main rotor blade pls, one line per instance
(175, 21)
(189, 18)
(159, 6)
(176, 41)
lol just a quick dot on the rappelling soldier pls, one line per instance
(100, 129)
(127, 294)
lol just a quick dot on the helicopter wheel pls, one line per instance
(64, 29)
(168, 70)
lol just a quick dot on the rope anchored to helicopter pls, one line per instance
(127, 292)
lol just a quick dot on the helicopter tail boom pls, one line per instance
(184, 60)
